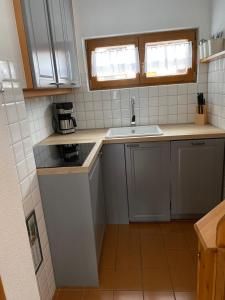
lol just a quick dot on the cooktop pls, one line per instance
(65, 155)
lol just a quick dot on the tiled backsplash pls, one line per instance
(111, 108)
(153, 105)
(40, 118)
(17, 122)
(216, 93)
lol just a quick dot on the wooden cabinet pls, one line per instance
(148, 181)
(211, 257)
(47, 41)
(196, 177)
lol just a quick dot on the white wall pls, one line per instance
(218, 16)
(105, 17)
(21, 194)
(16, 266)
(163, 104)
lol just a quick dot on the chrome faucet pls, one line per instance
(132, 102)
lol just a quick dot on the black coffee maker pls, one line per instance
(63, 120)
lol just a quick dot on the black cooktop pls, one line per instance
(66, 155)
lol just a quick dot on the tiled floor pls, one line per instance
(145, 262)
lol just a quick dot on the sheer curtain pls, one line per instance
(114, 63)
(172, 58)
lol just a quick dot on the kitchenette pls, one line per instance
(89, 179)
(112, 150)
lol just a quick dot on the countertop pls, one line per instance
(98, 136)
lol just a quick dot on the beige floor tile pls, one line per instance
(185, 296)
(175, 241)
(128, 280)
(157, 280)
(184, 280)
(128, 259)
(98, 295)
(171, 227)
(153, 242)
(107, 278)
(154, 259)
(128, 295)
(108, 258)
(178, 258)
(192, 241)
(70, 294)
(147, 229)
(158, 296)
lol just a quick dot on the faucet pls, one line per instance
(132, 102)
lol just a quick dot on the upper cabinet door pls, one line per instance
(63, 38)
(39, 41)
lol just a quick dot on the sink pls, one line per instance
(134, 131)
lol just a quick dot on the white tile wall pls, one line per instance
(153, 105)
(17, 121)
(216, 93)
(40, 118)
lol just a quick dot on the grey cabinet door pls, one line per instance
(115, 184)
(148, 179)
(63, 38)
(98, 204)
(39, 42)
(197, 176)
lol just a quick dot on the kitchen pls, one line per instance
(111, 156)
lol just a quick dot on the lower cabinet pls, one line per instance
(148, 181)
(196, 177)
(115, 184)
(74, 212)
(98, 204)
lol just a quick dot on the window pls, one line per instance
(146, 59)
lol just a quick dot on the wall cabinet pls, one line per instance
(148, 181)
(197, 176)
(47, 39)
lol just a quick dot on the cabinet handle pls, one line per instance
(198, 143)
(1, 88)
(133, 145)
(53, 83)
(199, 255)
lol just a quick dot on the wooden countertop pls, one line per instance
(98, 136)
(206, 228)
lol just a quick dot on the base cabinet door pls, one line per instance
(197, 176)
(115, 184)
(98, 204)
(148, 181)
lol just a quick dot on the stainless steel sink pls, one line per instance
(134, 131)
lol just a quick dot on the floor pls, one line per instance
(154, 261)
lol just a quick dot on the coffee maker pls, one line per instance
(63, 120)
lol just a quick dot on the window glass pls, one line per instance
(115, 63)
(168, 58)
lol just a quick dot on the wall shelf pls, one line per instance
(32, 93)
(213, 57)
